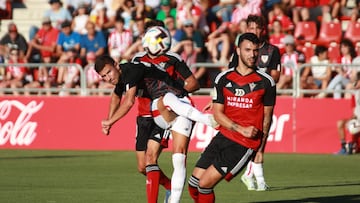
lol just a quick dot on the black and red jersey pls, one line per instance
(173, 65)
(244, 98)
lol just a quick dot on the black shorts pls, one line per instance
(147, 129)
(227, 156)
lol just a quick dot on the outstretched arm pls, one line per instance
(117, 111)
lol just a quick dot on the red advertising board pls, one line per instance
(73, 123)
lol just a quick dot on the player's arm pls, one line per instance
(128, 101)
(275, 65)
(191, 84)
(223, 120)
(114, 104)
(268, 113)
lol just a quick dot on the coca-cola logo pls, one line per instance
(20, 131)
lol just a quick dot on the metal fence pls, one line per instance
(82, 90)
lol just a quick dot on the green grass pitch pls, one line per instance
(40, 176)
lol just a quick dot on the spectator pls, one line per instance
(243, 9)
(16, 76)
(277, 35)
(165, 11)
(321, 71)
(140, 26)
(13, 39)
(280, 15)
(74, 5)
(92, 77)
(343, 76)
(187, 10)
(67, 40)
(291, 60)
(125, 11)
(103, 15)
(171, 27)
(80, 20)
(70, 76)
(223, 10)
(4, 12)
(57, 13)
(219, 44)
(94, 41)
(142, 10)
(349, 8)
(119, 39)
(43, 42)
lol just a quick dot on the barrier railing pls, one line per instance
(296, 91)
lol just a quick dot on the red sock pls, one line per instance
(152, 185)
(165, 181)
(206, 198)
(194, 193)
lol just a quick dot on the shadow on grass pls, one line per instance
(315, 186)
(334, 199)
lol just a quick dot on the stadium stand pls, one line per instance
(305, 31)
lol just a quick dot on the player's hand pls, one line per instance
(249, 131)
(105, 127)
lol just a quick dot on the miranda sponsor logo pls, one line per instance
(21, 131)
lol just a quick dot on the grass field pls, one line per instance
(111, 177)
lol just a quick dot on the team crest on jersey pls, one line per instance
(252, 86)
(239, 92)
(264, 58)
(162, 65)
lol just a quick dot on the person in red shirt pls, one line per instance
(15, 76)
(243, 105)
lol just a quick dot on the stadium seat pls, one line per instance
(352, 32)
(334, 52)
(308, 50)
(329, 32)
(305, 31)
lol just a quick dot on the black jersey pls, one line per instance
(269, 58)
(156, 82)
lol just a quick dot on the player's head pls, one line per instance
(256, 24)
(248, 49)
(152, 23)
(105, 66)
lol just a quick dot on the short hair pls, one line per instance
(153, 23)
(119, 18)
(101, 61)
(320, 49)
(248, 36)
(259, 20)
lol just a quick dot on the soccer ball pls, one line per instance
(156, 41)
(353, 126)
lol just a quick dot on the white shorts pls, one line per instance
(180, 125)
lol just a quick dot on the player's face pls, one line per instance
(110, 74)
(248, 53)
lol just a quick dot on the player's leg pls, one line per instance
(257, 166)
(142, 136)
(154, 175)
(181, 131)
(183, 107)
(248, 177)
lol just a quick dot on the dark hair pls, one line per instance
(348, 43)
(320, 49)
(259, 20)
(119, 19)
(153, 23)
(248, 36)
(101, 61)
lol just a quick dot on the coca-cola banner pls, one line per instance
(73, 123)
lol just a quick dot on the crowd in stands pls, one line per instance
(320, 32)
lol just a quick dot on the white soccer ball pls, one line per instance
(156, 41)
(353, 126)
